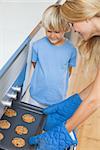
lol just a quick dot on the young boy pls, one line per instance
(52, 57)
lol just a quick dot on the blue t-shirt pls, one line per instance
(49, 81)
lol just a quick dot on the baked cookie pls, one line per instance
(4, 124)
(21, 130)
(18, 142)
(28, 118)
(1, 136)
(10, 112)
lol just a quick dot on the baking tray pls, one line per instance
(33, 128)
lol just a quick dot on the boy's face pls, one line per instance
(55, 37)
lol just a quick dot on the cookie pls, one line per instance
(4, 124)
(1, 136)
(10, 112)
(28, 118)
(21, 130)
(18, 142)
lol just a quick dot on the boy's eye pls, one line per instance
(52, 31)
(56, 32)
(49, 31)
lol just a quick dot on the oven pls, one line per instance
(34, 128)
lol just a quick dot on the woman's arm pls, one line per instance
(85, 92)
(90, 103)
(86, 109)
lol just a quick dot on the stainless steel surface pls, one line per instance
(2, 108)
(10, 76)
(12, 95)
(7, 103)
(16, 88)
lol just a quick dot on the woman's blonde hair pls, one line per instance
(80, 10)
(52, 19)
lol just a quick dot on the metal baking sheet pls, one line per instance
(33, 128)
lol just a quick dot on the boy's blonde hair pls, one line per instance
(80, 10)
(52, 19)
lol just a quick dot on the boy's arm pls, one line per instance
(34, 64)
(70, 70)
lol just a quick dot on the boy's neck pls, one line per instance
(61, 42)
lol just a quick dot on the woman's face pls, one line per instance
(84, 28)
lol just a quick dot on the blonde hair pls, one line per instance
(52, 19)
(80, 10)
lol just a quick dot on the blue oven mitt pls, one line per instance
(61, 112)
(56, 139)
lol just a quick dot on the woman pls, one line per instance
(84, 18)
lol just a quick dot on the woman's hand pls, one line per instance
(56, 139)
(61, 112)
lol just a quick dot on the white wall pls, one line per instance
(17, 20)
